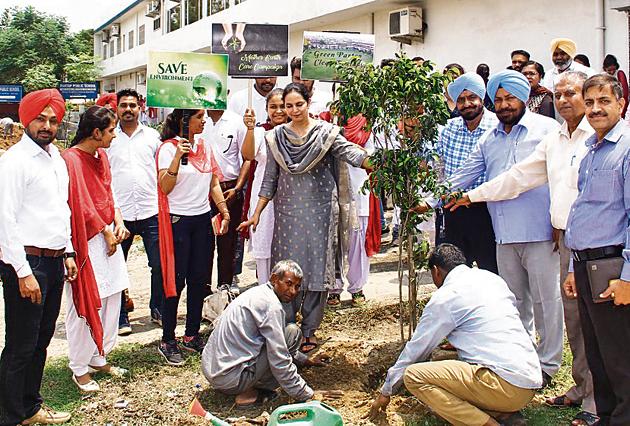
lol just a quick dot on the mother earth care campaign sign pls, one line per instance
(255, 50)
(187, 80)
(321, 51)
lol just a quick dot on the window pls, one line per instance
(124, 45)
(239, 1)
(130, 38)
(141, 35)
(174, 18)
(157, 23)
(104, 51)
(118, 45)
(193, 11)
(216, 6)
(111, 49)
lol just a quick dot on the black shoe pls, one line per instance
(156, 317)
(171, 353)
(195, 344)
(546, 380)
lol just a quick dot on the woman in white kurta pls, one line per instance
(255, 148)
(97, 228)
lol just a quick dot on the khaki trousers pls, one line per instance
(463, 394)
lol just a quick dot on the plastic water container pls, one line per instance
(313, 413)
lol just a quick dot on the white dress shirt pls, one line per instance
(226, 138)
(237, 103)
(134, 173)
(34, 209)
(358, 176)
(556, 160)
(477, 312)
(553, 75)
(319, 102)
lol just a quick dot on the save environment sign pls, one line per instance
(187, 80)
(255, 50)
(322, 50)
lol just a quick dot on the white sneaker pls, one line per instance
(89, 387)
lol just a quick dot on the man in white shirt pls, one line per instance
(238, 101)
(225, 132)
(498, 369)
(563, 51)
(556, 160)
(35, 246)
(134, 183)
(320, 99)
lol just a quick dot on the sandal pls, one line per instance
(561, 401)
(264, 396)
(306, 344)
(358, 298)
(584, 418)
(334, 299)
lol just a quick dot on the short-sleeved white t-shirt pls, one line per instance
(190, 196)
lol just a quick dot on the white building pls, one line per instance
(465, 31)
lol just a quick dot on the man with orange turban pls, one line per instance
(563, 51)
(35, 247)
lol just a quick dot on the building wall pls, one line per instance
(465, 31)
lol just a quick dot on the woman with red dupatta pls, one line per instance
(255, 148)
(186, 235)
(97, 228)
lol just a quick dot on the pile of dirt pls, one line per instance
(8, 140)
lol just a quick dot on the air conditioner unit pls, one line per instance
(153, 9)
(405, 22)
(114, 31)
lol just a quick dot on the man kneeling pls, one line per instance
(498, 370)
(252, 350)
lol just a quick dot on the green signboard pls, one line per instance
(187, 80)
(322, 50)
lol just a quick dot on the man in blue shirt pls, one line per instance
(522, 226)
(498, 369)
(469, 229)
(598, 231)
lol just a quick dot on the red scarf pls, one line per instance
(92, 206)
(204, 162)
(355, 132)
(250, 181)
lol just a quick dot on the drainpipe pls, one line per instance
(600, 34)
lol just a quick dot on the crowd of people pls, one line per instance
(533, 239)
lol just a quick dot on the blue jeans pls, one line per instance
(148, 230)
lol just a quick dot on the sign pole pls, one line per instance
(250, 92)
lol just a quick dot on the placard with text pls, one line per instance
(255, 50)
(322, 50)
(187, 80)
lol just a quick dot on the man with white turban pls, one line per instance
(522, 226)
(563, 51)
(35, 247)
(469, 229)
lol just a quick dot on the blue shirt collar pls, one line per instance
(612, 136)
(526, 121)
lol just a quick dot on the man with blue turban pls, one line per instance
(522, 226)
(469, 229)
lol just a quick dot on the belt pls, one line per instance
(43, 252)
(597, 253)
(228, 184)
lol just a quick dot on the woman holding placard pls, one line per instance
(255, 148)
(186, 238)
(306, 177)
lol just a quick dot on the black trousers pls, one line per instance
(226, 244)
(29, 329)
(606, 330)
(471, 230)
(193, 242)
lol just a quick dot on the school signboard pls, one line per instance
(187, 80)
(322, 50)
(11, 93)
(87, 90)
(255, 50)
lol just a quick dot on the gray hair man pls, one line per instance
(556, 160)
(252, 350)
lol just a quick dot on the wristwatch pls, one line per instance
(70, 255)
